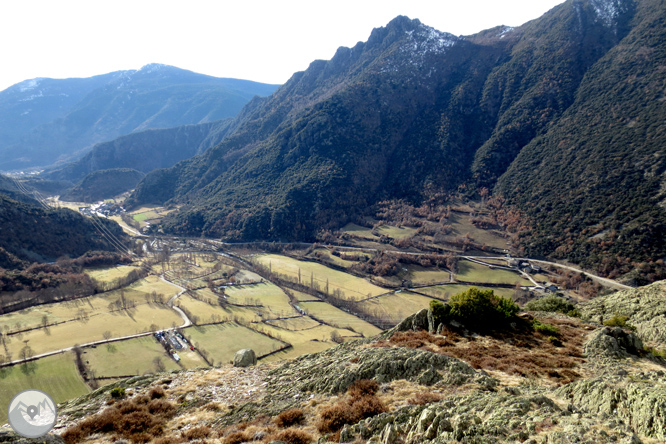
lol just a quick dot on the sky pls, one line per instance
(264, 41)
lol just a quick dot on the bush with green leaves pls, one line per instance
(554, 304)
(482, 309)
(619, 320)
(440, 312)
(546, 329)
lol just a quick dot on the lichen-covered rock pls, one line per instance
(245, 358)
(417, 321)
(639, 401)
(645, 307)
(13, 438)
(334, 370)
(612, 343)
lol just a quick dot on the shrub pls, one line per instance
(117, 393)
(423, 398)
(481, 309)
(619, 321)
(440, 312)
(289, 418)
(200, 432)
(156, 393)
(553, 304)
(363, 387)
(546, 329)
(361, 403)
(237, 438)
(294, 436)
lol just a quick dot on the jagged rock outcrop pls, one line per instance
(612, 343)
(645, 308)
(334, 370)
(491, 417)
(638, 401)
(12, 438)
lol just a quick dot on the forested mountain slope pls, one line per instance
(413, 112)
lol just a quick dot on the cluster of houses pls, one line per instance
(102, 209)
(172, 341)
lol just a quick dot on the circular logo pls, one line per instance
(32, 413)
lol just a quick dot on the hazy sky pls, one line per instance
(265, 41)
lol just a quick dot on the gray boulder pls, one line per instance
(245, 358)
(613, 343)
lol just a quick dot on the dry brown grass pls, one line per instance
(422, 398)
(292, 436)
(520, 351)
(289, 418)
(139, 419)
(360, 403)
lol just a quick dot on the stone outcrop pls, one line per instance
(245, 358)
(612, 343)
(644, 306)
(637, 400)
(334, 370)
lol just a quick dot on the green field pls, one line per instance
(420, 275)
(473, 272)
(96, 315)
(131, 357)
(396, 232)
(109, 274)
(339, 318)
(396, 307)
(352, 287)
(446, 291)
(297, 323)
(222, 341)
(275, 302)
(56, 375)
(462, 225)
(357, 230)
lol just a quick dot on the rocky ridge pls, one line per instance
(620, 396)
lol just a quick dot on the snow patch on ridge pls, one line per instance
(608, 11)
(29, 85)
(420, 43)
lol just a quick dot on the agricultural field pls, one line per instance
(304, 341)
(357, 230)
(339, 318)
(296, 323)
(90, 318)
(446, 291)
(56, 375)
(352, 287)
(149, 213)
(336, 260)
(274, 301)
(420, 276)
(108, 275)
(130, 357)
(396, 232)
(222, 341)
(396, 306)
(473, 272)
(462, 224)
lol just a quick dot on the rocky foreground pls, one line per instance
(577, 381)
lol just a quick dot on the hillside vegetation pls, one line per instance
(415, 114)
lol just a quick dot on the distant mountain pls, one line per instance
(103, 184)
(563, 116)
(144, 151)
(43, 121)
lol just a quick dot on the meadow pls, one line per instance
(473, 272)
(352, 287)
(56, 375)
(222, 341)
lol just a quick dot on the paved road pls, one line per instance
(186, 321)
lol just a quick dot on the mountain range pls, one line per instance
(43, 121)
(561, 117)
